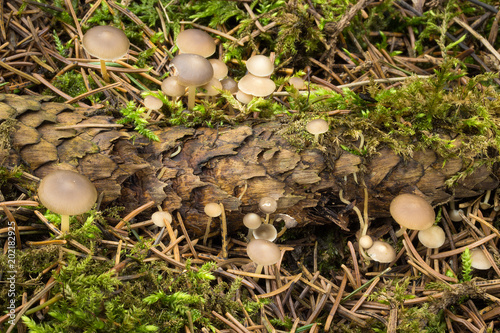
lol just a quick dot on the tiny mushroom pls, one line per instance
(432, 237)
(381, 252)
(67, 193)
(212, 209)
(220, 68)
(260, 65)
(317, 127)
(365, 242)
(152, 103)
(230, 85)
(192, 70)
(172, 88)
(105, 43)
(252, 221)
(268, 206)
(265, 231)
(263, 252)
(297, 82)
(454, 213)
(412, 212)
(195, 41)
(212, 88)
(161, 218)
(256, 86)
(290, 222)
(243, 98)
(479, 259)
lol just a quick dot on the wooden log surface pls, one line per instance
(189, 167)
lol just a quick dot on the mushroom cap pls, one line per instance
(195, 41)
(192, 70)
(297, 82)
(260, 65)
(432, 237)
(317, 126)
(220, 68)
(252, 221)
(263, 252)
(213, 209)
(256, 86)
(243, 98)
(381, 252)
(268, 205)
(365, 242)
(105, 42)
(67, 192)
(160, 217)
(479, 259)
(153, 103)
(212, 87)
(230, 85)
(290, 222)
(172, 88)
(412, 212)
(265, 231)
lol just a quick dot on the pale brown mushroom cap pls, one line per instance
(263, 252)
(67, 193)
(160, 218)
(220, 68)
(106, 42)
(381, 252)
(195, 41)
(268, 205)
(172, 88)
(212, 87)
(243, 98)
(230, 85)
(213, 209)
(252, 221)
(192, 70)
(365, 242)
(256, 86)
(297, 82)
(153, 103)
(432, 237)
(479, 259)
(317, 126)
(290, 222)
(265, 231)
(260, 65)
(412, 212)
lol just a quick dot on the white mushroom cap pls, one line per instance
(365, 242)
(106, 42)
(265, 231)
(67, 193)
(432, 237)
(256, 86)
(412, 212)
(268, 205)
(230, 85)
(297, 82)
(192, 69)
(260, 65)
(172, 88)
(290, 222)
(243, 98)
(220, 68)
(152, 103)
(317, 126)
(195, 41)
(381, 252)
(213, 209)
(479, 259)
(252, 221)
(263, 252)
(160, 218)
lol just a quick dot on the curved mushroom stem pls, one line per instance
(104, 71)
(258, 270)
(400, 232)
(454, 213)
(191, 97)
(485, 204)
(207, 231)
(224, 231)
(64, 224)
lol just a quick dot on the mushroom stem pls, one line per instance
(207, 231)
(191, 97)
(258, 270)
(224, 230)
(104, 71)
(316, 138)
(485, 204)
(400, 232)
(64, 224)
(267, 219)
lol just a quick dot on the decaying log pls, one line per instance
(189, 167)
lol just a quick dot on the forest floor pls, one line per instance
(409, 76)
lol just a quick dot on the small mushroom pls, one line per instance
(432, 237)
(268, 206)
(152, 103)
(212, 88)
(479, 259)
(192, 70)
(454, 213)
(485, 204)
(290, 222)
(297, 82)
(263, 252)
(265, 231)
(163, 220)
(365, 242)
(195, 41)
(105, 43)
(172, 88)
(220, 68)
(256, 86)
(243, 98)
(381, 252)
(252, 221)
(412, 212)
(67, 193)
(212, 209)
(260, 65)
(317, 127)
(230, 85)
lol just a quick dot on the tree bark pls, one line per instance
(189, 167)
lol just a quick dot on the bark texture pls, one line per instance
(189, 167)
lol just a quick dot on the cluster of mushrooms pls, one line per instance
(413, 212)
